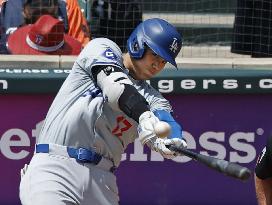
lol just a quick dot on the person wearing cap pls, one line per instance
(17, 13)
(45, 37)
(103, 105)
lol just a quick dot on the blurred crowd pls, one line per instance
(25, 30)
(42, 27)
(60, 27)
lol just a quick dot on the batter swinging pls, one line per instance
(103, 105)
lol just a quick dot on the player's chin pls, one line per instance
(149, 74)
(143, 76)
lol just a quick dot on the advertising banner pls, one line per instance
(169, 81)
(228, 126)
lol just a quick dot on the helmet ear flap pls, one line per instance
(135, 46)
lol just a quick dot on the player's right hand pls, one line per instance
(159, 145)
(147, 122)
(147, 136)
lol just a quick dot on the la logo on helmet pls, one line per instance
(174, 45)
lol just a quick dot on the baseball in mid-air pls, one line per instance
(162, 129)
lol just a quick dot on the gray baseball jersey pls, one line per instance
(80, 117)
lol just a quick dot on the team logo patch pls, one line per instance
(174, 46)
(38, 39)
(110, 54)
(108, 70)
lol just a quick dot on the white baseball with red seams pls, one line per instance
(162, 129)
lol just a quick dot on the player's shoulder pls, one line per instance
(104, 43)
(102, 49)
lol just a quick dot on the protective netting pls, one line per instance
(210, 28)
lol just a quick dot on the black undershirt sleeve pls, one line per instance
(132, 103)
(263, 169)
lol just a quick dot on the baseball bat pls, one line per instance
(228, 168)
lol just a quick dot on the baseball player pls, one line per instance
(263, 175)
(103, 105)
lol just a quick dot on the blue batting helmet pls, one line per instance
(158, 35)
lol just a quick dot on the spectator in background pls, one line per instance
(8, 21)
(116, 19)
(1, 4)
(78, 26)
(263, 175)
(253, 28)
(23, 12)
(45, 37)
(3, 49)
(17, 13)
(12, 15)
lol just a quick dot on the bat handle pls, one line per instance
(182, 150)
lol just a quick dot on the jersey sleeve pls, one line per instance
(154, 98)
(263, 169)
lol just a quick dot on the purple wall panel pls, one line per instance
(233, 127)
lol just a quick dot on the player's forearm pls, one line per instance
(263, 191)
(260, 191)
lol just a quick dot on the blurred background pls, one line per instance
(210, 28)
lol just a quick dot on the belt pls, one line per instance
(82, 155)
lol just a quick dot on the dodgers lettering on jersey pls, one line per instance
(80, 117)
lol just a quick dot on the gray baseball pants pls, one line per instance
(56, 179)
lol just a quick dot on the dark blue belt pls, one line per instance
(80, 154)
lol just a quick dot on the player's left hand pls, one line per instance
(159, 145)
(146, 125)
